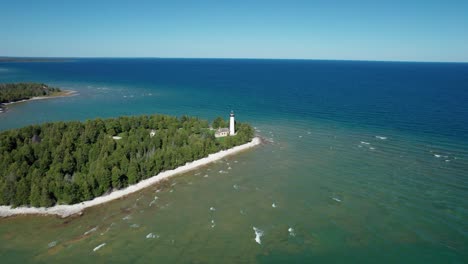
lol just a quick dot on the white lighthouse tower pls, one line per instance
(232, 129)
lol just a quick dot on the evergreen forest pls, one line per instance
(71, 162)
(12, 92)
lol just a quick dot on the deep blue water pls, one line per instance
(367, 161)
(428, 98)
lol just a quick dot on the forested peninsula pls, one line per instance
(16, 92)
(70, 162)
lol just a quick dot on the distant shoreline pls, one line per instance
(64, 93)
(69, 210)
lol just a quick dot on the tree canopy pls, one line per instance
(70, 162)
(12, 92)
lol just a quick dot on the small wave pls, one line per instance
(90, 231)
(273, 205)
(52, 244)
(213, 224)
(437, 155)
(206, 176)
(151, 236)
(99, 247)
(134, 225)
(381, 137)
(235, 186)
(365, 143)
(371, 148)
(128, 217)
(336, 199)
(212, 209)
(258, 235)
(291, 231)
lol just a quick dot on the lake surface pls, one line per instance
(365, 162)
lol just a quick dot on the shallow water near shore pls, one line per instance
(366, 162)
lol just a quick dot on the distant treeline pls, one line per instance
(12, 92)
(70, 162)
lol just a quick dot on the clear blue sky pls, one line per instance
(410, 30)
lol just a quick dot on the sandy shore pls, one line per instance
(68, 210)
(65, 93)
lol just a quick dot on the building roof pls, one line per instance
(36, 139)
(220, 130)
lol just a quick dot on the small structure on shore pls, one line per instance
(222, 132)
(231, 131)
(36, 139)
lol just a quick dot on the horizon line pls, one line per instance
(221, 58)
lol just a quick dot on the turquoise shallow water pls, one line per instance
(365, 161)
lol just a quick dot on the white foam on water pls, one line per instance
(99, 247)
(198, 173)
(151, 203)
(300, 136)
(128, 217)
(229, 168)
(308, 132)
(336, 199)
(381, 137)
(235, 161)
(151, 236)
(273, 205)
(291, 231)
(365, 143)
(437, 155)
(372, 148)
(134, 225)
(235, 186)
(212, 209)
(206, 176)
(90, 231)
(447, 160)
(213, 224)
(258, 235)
(52, 244)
